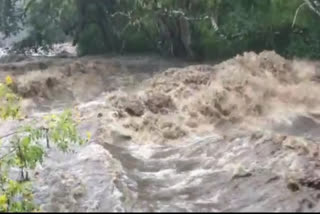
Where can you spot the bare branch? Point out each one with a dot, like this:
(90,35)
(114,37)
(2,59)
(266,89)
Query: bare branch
(9,153)
(10,134)
(297,11)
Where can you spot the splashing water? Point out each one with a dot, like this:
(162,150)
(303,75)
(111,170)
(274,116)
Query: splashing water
(237,136)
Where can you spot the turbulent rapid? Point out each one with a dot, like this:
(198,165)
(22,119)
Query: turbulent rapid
(241,135)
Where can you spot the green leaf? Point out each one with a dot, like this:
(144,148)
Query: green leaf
(26,142)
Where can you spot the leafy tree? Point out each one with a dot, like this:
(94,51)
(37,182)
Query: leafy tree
(183,28)
(10,17)
(26,150)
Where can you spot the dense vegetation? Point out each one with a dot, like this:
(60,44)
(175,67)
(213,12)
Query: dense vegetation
(183,28)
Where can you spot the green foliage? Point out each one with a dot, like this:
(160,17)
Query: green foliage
(47,21)
(10,191)
(183,28)
(9,102)
(27,149)
(89,45)
(62,130)
(10,16)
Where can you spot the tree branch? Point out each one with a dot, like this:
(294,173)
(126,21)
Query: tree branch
(312,5)
(9,153)
(10,134)
(296,14)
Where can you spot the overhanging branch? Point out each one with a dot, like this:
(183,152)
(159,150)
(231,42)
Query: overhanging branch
(296,14)
(312,5)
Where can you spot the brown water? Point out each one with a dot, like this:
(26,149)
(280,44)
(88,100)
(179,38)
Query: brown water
(238,136)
